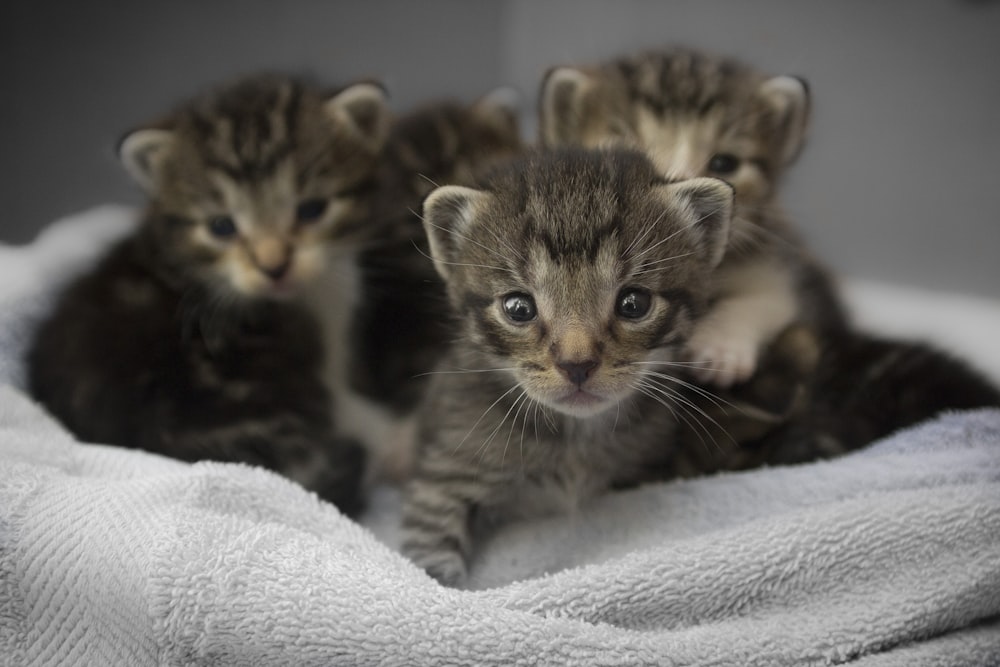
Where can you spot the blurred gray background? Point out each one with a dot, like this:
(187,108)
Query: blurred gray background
(900,180)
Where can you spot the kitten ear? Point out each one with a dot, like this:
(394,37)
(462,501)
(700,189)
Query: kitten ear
(448,213)
(788,99)
(363,109)
(500,108)
(710,212)
(566,92)
(143,153)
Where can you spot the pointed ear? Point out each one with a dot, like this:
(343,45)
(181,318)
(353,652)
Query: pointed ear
(143,153)
(565,97)
(448,214)
(500,108)
(788,99)
(709,204)
(363,110)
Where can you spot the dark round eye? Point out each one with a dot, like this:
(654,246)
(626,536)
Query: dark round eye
(633,303)
(310,210)
(519,307)
(222,226)
(723,163)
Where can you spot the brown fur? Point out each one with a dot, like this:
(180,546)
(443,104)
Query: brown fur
(185,340)
(523,416)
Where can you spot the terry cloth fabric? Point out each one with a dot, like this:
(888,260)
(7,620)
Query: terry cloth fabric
(886,557)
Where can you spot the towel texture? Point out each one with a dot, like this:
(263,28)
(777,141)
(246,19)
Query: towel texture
(887,557)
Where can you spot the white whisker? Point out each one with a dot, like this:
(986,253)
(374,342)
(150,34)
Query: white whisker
(485,412)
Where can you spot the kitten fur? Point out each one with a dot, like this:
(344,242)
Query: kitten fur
(399,326)
(700,115)
(186,340)
(577,278)
(817,399)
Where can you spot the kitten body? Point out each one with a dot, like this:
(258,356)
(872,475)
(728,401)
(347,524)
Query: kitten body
(188,339)
(397,322)
(817,399)
(576,277)
(698,115)
(822,387)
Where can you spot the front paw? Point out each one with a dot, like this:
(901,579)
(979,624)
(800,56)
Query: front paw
(722,358)
(445,565)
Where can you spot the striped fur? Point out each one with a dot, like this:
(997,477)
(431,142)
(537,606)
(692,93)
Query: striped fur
(400,326)
(185,340)
(815,399)
(701,115)
(775,308)
(534,415)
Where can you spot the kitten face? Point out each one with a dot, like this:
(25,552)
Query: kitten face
(694,115)
(575,269)
(249,184)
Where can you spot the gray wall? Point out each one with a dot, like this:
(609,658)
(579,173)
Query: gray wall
(77,75)
(899,182)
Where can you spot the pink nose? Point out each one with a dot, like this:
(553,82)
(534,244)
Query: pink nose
(577,372)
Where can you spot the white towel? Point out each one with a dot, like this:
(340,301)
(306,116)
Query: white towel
(887,557)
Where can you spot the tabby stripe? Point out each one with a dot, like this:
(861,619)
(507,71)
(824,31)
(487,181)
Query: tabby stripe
(494,336)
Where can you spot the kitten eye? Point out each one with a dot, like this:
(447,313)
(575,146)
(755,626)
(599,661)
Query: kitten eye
(633,303)
(222,226)
(723,163)
(519,307)
(310,210)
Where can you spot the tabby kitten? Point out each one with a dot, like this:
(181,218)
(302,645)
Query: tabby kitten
(773,305)
(398,330)
(577,277)
(698,115)
(187,339)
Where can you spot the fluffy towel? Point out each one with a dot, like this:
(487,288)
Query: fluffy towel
(889,556)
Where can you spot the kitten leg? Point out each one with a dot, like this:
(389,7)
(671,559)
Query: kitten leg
(726,342)
(437,514)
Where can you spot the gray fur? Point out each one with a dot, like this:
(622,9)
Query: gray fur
(693,112)
(506,430)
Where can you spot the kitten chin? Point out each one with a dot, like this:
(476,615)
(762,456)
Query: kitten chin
(188,339)
(575,276)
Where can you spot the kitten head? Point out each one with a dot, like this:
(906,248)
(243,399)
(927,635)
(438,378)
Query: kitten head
(249,183)
(449,143)
(694,114)
(579,271)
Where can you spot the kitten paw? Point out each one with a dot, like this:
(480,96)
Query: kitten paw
(448,567)
(722,359)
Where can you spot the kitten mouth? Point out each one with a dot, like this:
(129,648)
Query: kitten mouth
(581,398)
(281,289)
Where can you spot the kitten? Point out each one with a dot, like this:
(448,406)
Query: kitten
(774,306)
(698,115)
(576,277)
(187,339)
(398,325)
